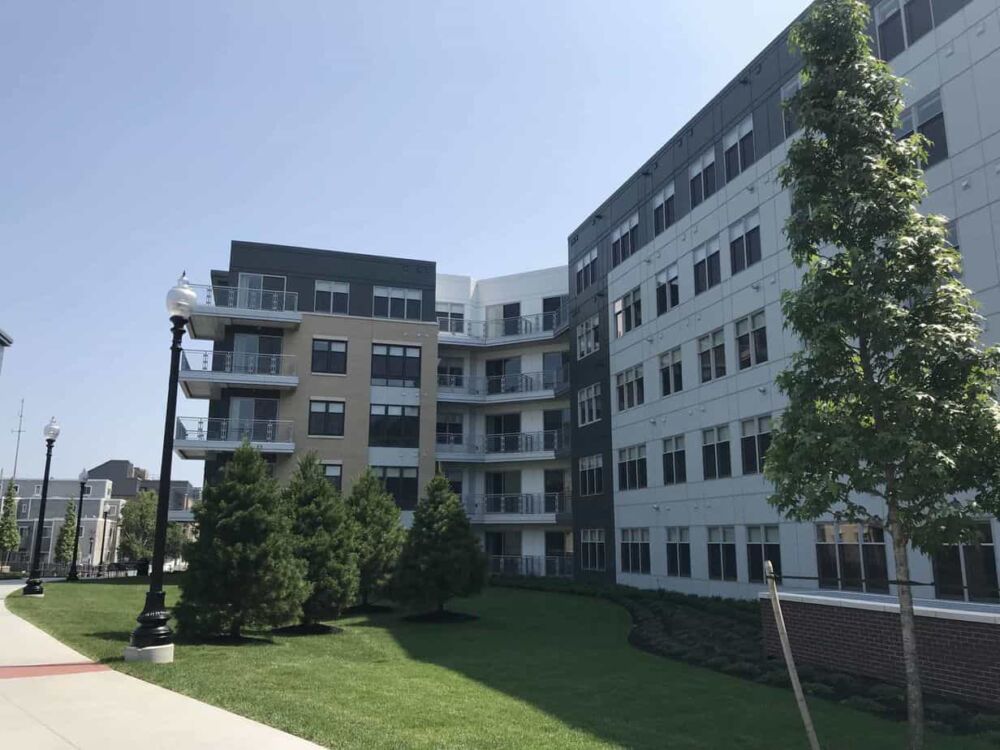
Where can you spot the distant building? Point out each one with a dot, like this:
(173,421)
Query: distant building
(5,341)
(129,480)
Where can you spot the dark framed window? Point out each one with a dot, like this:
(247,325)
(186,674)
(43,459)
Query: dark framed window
(664,214)
(707,266)
(588,404)
(968,571)
(632,467)
(588,339)
(591,475)
(721,553)
(900,23)
(396,365)
(851,556)
(394,426)
(635,551)
(586,270)
(629,388)
(751,340)
(329,356)
(331,297)
(625,240)
(668,291)
(398,303)
(671,375)
(702,178)
(628,312)
(674,461)
(889,29)
(927,118)
(334,474)
(401,483)
(449,429)
(678,552)
(451,317)
(712,356)
(744,244)
(754,442)
(715,456)
(738,148)
(763,543)
(592,549)
(326,418)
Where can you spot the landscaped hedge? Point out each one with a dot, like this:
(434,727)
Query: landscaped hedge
(725,635)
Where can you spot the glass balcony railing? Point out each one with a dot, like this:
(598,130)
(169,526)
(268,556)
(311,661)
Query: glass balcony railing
(209,430)
(522,326)
(542,442)
(559,566)
(236,363)
(239,298)
(497,385)
(526,504)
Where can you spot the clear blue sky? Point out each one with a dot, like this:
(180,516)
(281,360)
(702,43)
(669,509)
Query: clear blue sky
(138,139)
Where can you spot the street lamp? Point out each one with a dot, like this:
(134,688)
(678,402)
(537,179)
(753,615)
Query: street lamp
(73,575)
(34,584)
(153,640)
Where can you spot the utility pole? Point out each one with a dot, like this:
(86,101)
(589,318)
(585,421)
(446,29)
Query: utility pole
(17,445)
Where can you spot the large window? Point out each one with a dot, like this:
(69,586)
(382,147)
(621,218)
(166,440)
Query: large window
(591,475)
(588,404)
(788,92)
(401,483)
(968,571)
(663,209)
(671,377)
(334,474)
(331,297)
(592,551)
(678,552)
(449,428)
(586,270)
(326,418)
(738,148)
(751,340)
(715,456)
(628,312)
(754,442)
(396,365)
(762,544)
(712,356)
(674,460)
(588,338)
(329,357)
(668,290)
(744,243)
(899,23)
(707,266)
(451,372)
(451,317)
(394,302)
(629,388)
(702,177)
(632,467)
(625,240)
(394,426)
(721,553)
(851,556)
(927,118)
(635,550)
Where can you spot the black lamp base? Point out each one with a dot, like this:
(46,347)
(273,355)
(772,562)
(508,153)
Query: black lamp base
(33,588)
(153,629)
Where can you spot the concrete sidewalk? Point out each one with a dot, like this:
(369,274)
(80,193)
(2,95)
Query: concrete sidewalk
(53,698)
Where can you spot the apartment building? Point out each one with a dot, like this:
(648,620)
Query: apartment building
(677,334)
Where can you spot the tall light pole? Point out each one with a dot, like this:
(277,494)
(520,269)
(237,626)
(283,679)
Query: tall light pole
(34,585)
(104,539)
(153,640)
(73,575)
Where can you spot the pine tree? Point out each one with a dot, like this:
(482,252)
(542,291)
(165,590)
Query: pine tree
(66,538)
(326,538)
(380,534)
(242,570)
(441,558)
(10,539)
(892,417)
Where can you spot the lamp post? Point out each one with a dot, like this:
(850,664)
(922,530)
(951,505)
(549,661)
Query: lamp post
(104,539)
(34,584)
(73,575)
(153,640)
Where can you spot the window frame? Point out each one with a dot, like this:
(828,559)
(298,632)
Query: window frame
(589,404)
(590,470)
(339,477)
(625,240)
(635,551)
(632,472)
(668,289)
(674,460)
(707,258)
(736,143)
(338,416)
(755,439)
(671,372)
(329,354)
(768,549)
(630,387)
(664,209)
(406,379)
(588,337)
(393,293)
(678,547)
(716,454)
(745,245)
(750,334)
(393,426)
(593,550)
(586,270)
(725,547)
(701,170)
(861,534)
(333,291)
(627,312)
(712,351)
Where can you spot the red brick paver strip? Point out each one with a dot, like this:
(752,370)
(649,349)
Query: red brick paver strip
(48,670)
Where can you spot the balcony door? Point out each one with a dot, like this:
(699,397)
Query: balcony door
(555,366)
(505,319)
(258,291)
(550,309)
(503,492)
(503,375)
(256,354)
(252,418)
(555,488)
(504,551)
(503,433)
(554,423)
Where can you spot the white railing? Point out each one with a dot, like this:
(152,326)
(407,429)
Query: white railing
(492,385)
(560,566)
(545,441)
(239,363)
(222,430)
(531,503)
(239,298)
(522,325)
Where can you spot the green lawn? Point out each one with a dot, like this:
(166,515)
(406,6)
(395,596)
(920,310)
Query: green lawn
(537,670)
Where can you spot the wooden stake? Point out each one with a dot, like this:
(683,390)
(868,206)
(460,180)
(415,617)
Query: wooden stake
(786,649)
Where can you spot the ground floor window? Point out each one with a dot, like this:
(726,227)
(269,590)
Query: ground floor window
(401,483)
(334,475)
(678,551)
(592,550)
(635,550)
(851,556)
(968,571)
(762,544)
(721,553)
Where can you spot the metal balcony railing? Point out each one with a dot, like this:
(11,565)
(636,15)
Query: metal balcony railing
(522,325)
(240,298)
(559,566)
(221,430)
(531,503)
(544,441)
(524,382)
(237,363)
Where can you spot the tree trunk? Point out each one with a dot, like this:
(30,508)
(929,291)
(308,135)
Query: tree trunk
(914,691)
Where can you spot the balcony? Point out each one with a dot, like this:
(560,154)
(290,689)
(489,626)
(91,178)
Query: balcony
(522,329)
(220,306)
(545,507)
(512,446)
(200,437)
(525,386)
(204,374)
(557,566)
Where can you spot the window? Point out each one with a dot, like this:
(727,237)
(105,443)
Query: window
(715,458)
(899,23)
(401,483)
(449,429)
(87,490)
(331,297)
(751,340)
(678,551)
(744,243)
(394,426)
(762,545)
(451,317)
(927,118)
(707,266)
(851,556)
(671,379)
(334,475)
(702,175)
(754,442)
(591,475)
(668,291)
(326,418)
(329,357)
(592,553)
(628,312)
(625,240)
(586,270)
(38,490)
(396,365)
(588,339)
(588,404)
(663,209)
(712,356)
(738,148)
(721,553)
(635,550)
(451,372)
(632,467)
(674,461)
(401,304)
(968,571)
(788,92)
(629,387)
